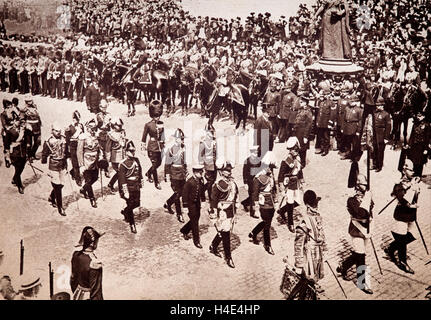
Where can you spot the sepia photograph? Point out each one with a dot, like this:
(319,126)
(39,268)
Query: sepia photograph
(215,150)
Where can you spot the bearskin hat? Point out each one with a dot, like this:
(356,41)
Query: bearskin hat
(156,108)
(31,53)
(78,56)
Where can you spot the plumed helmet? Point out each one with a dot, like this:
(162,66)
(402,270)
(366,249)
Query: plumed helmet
(55,127)
(156,108)
(88,236)
(408,164)
(179,134)
(28,98)
(292,142)
(6,103)
(210,128)
(116,121)
(225,166)
(130,146)
(311,199)
(76,115)
(91,124)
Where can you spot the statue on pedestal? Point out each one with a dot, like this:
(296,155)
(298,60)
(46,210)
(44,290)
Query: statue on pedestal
(335,30)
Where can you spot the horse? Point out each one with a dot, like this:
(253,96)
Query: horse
(257,90)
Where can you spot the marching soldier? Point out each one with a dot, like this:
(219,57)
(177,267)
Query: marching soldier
(405,216)
(7,119)
(55,149)
(291,177)
(360,229)
(130,181)
(224,195)
(382,130)
(208,156)
(302,128)
(176,173)
(193,194)
(19,141)
(88,156)
(309,246)
(251,168)
(104,126)
(154,129)
(72,134)
(86,276)
(264,197)
(34,125)
(115,148)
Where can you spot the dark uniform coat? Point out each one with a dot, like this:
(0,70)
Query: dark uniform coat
(86,275)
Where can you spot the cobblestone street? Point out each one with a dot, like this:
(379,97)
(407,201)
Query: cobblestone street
(157,263)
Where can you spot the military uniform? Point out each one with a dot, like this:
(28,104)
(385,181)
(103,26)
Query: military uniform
(86,276)
(419,145)
(130,181)
(224,196)
(249,170)
(68,85)
(7,117)
(88,156)
(323,122)
(208,156)
(155,131)
(34,125)
(382,131)
(287,102)
(264,193)
(290,176)
(55,149)
(350,128)
(19,142)
(263,135)
(72,134)
(93,98)
(273,100)
(405,216)
(193,195)
(114,151)
(302,130)
(360,230)
(293,113)
(176,168)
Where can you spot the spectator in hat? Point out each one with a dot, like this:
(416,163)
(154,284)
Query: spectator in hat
(29,287)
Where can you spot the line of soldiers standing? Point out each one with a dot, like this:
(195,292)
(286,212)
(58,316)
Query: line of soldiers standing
(46,72)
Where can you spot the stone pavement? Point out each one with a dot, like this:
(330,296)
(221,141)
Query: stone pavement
(157,263)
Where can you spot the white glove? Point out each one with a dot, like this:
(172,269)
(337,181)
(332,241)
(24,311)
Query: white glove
(126,195)
(386,141)
(81,170)
(305,140)
(246,187)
